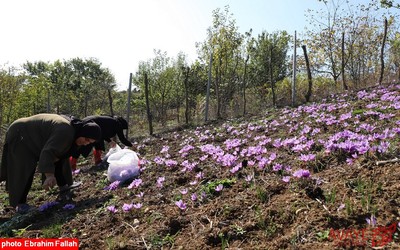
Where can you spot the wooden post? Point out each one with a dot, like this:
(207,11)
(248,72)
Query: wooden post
(294,72)
(208,87)
(146,93)
(128,106)
(382,52)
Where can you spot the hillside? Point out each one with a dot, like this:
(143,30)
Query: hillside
(292,178)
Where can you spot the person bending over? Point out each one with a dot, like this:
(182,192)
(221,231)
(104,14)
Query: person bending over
(44,141)
(111,128)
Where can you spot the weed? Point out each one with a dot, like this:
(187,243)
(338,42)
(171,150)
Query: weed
(154,216)
(324,235)
(331,197)
(209,188)
(169,239)
(111,243)
(349,207)
(238,230)
(157,240)
(102,183)
(53,231)
(262,195)
(358,112)
(20,232)
(224,241)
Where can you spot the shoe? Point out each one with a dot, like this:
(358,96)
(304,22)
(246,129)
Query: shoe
(75,184)
(65,196)
(23,208)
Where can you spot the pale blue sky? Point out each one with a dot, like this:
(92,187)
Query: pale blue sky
(121,33)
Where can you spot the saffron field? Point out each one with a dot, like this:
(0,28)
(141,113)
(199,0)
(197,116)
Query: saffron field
(314,176)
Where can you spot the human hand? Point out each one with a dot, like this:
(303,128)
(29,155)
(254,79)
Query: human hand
(50,181)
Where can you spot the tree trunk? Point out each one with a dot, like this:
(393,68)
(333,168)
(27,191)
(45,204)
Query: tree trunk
(217,89)
(343,63)
(382,51)
(48,100)
(244,85)
(146,92)
(111,101)
(187,97)
(128,105)
(271,79)
(208,88)
(309,91)
(86,104)
(398,69)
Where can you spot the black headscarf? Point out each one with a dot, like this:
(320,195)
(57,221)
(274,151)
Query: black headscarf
(122,122)
(89,130)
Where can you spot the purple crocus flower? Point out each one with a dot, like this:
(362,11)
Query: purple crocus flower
(219,188)
(164,149)
(308,157)
(341,207)
(193,197)
(127,207)
(249,177)
(286,179)
(69,206)
(137,205)
(181,204)
(112,209)
(171,163)
(135,183)
(301,173)
(47,205)
(371,221)
(75,172)
(277,167)
(184,191)
(114,185)
(199,175)
(160,181)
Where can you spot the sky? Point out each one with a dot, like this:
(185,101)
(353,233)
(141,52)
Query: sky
(121,33)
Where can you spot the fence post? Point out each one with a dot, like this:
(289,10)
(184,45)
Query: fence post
(294,72)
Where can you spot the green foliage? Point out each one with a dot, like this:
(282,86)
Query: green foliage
(324,235)
(19,232)
(262,194)
(53,231)
(209,188)
(331,196)
(224,240)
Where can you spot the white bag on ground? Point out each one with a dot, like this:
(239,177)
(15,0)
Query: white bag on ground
(112,151)
(123,165)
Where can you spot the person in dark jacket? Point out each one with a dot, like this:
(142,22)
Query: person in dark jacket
(111,127)
(46,141)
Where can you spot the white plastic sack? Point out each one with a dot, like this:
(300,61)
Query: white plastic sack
(113,150)
(123,165)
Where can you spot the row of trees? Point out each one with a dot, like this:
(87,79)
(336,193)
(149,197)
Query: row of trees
(344,44)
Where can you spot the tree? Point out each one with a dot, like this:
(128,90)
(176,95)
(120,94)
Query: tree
(224,43)
(345,40)
(10,90)
(395,53)
(382,52)
(268,61)
(390,4)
